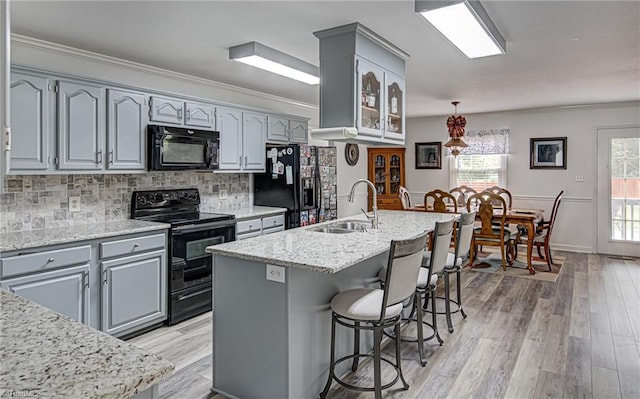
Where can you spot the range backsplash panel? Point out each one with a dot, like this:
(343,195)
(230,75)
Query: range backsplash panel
(37,202)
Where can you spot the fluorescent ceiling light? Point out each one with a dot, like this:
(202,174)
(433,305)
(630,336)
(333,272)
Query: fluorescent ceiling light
(466,24)
(272,60)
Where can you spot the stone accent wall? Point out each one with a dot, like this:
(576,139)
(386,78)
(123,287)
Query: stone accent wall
(37,202)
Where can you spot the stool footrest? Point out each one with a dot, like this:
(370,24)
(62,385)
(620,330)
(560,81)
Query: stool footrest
(456,310)
(361,388)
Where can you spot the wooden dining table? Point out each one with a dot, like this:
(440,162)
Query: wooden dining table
(520,216)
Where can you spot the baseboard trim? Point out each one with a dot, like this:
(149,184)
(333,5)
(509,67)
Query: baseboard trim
(572,248)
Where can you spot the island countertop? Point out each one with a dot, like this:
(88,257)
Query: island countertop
(330,253)
(44,354)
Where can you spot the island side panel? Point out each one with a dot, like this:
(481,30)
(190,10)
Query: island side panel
(249,330)
(309,300)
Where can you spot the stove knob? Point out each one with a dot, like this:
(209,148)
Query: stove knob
(185,194)
(142,200)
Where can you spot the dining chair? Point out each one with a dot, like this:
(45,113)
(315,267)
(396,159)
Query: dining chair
(487,233)
(405,198)
(503,192)
(462,193)
(440,201)
(542,238)
(376,309)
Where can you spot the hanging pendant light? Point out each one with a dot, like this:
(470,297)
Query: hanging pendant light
(455,125)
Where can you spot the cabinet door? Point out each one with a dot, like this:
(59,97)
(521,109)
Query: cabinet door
(254,141)
(229,124)
(277,129)
(65,291)
(81,126)
(199,115)
(134,291)
(395,106)
(166,110)
(298,131)
(30,122)
(125,130)
(370,95)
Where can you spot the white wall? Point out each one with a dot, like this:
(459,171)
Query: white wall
(575,229)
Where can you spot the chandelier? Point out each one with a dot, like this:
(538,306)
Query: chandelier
(455,125)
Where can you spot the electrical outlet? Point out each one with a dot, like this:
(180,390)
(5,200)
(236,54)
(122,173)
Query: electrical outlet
(275,273)
(74,204)
(580,179)
(222,194)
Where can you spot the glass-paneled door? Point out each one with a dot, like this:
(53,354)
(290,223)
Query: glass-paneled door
(619,191)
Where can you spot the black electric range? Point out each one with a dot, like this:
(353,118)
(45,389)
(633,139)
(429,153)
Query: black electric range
(190,266)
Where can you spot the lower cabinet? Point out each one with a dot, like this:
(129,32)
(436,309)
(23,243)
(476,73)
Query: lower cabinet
(134,291)
(65,291)
(117,285)
(247,228)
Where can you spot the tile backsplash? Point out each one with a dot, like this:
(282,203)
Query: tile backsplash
(37,202)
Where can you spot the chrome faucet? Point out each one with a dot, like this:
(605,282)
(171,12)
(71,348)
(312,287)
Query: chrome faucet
(373,218)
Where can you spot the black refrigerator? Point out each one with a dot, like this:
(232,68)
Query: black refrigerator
(301,178)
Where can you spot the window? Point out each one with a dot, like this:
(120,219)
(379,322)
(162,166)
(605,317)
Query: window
(484,162)
(625,189)
(479,171)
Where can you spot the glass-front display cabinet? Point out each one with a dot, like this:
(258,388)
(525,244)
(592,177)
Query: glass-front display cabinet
(386,171)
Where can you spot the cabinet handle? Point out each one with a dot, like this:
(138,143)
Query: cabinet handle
(99,156)
(51,260)
(104,277)
(111,157)
(188,115)
(85,279)
(136,245)
(179,114)
(240,161)
(245,161)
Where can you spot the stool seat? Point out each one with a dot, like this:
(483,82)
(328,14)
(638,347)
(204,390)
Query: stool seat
(363,304)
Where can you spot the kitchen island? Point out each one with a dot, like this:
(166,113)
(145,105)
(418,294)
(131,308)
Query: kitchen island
(44,354)
(271,339)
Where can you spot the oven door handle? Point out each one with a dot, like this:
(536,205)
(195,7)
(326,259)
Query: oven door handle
(200,227)
(183,297)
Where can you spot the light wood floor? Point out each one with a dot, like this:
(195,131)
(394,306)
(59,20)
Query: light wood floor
(576,338)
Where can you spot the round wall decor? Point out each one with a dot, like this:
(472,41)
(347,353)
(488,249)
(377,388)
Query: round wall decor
(351,153)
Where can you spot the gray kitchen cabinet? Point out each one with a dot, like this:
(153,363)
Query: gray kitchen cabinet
(199,115)
(254,133)
(229,124)
(180,112)
(65,291)
(134,291)
(125,130)
(81,126)
(253,227)
(166,110)
(242,140)
(284,130)
(30,122)
(363,83)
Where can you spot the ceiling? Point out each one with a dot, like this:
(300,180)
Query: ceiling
(559,53)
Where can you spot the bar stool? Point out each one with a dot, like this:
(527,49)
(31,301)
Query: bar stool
(426,286)
(464,236)
(375,309)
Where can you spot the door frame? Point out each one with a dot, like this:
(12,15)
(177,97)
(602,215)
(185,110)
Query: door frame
(597,202)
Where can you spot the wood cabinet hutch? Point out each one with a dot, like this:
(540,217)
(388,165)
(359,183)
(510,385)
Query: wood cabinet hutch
(386,171)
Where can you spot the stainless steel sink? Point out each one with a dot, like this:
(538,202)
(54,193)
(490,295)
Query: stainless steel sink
(344,227)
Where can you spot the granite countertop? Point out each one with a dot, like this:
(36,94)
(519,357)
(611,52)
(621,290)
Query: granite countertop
(43,237)
(47,355)
(330,253)
(255,212)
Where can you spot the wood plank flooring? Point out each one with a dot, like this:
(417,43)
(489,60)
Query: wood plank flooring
(576,338)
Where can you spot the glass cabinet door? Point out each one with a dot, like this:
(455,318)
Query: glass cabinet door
(370,97)
(381,174)
(395,102)
(394,175)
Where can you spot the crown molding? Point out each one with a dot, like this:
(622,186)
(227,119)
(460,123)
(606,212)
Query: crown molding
(38,44)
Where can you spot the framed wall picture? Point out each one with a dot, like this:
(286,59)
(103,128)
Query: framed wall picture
(429,155)
(548,153)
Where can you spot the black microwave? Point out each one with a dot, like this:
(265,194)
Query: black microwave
(175,148)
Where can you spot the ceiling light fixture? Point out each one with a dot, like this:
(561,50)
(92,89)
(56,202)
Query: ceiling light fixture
(455,125)
(466,24)
(272,60)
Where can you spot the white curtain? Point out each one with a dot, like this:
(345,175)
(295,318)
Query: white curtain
(485,142)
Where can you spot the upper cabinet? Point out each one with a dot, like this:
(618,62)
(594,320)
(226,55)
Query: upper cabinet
(363,84)
(284,130)
(242,140)
(183,113)
(125,130)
